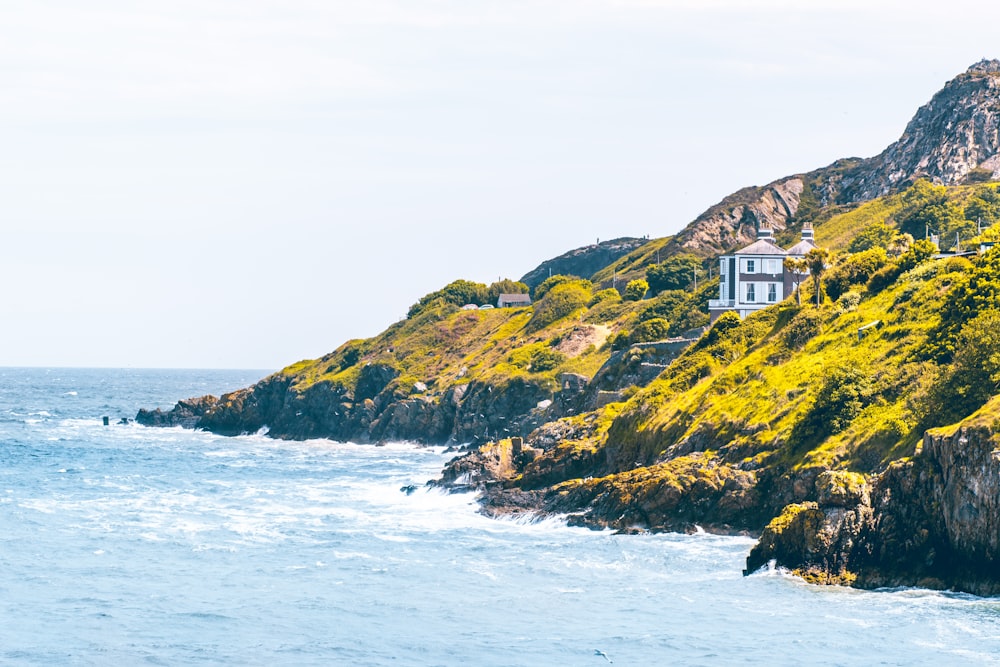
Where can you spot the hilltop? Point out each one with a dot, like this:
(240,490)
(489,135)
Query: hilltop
(621,407)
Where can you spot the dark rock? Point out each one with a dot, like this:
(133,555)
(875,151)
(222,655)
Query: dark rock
(933,520)
(185,413)
(583,262)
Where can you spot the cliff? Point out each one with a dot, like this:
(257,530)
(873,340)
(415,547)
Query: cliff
(841,433)
(932,520)
(953,139)
(954,136)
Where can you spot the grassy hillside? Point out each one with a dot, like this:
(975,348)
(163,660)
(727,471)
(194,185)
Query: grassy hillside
(725,432)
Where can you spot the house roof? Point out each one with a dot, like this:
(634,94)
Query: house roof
(802,247)
(761,247)
(515,298)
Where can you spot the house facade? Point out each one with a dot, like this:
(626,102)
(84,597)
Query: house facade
(513,301)
(755,276)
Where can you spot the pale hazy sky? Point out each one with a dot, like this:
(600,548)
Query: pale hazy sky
(245,184)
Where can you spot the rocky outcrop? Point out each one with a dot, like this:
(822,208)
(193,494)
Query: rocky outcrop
(374,412)
(952,138)
(583,262)
(185,413)
(932,521)
(734,221)
(955,133)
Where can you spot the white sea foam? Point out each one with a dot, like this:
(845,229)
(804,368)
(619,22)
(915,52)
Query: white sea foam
(179,540)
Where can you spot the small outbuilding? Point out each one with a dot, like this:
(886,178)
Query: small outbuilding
(513,301)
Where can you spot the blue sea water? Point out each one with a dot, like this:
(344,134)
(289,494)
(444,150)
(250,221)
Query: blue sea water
(124,545)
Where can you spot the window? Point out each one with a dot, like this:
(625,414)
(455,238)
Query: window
(772,292)
(722,266)
(771,266)
(750,292)
(751,266)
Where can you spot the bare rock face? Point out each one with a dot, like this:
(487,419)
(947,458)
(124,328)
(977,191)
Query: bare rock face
(952,138)
(734,221)
(185,413)
(955,133)
(933,521)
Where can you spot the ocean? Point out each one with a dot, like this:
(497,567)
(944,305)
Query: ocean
(125,545)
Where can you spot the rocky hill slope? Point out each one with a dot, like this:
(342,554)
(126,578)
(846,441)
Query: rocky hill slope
(583,262)
(808,423)
(953,139)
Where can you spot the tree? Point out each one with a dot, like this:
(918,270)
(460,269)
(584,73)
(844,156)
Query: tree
(974,375)
(505,286)
(899,245)
(456,293)
(635,290)
(550,282)
(855,269)
(983,207)
(816,261)
(927,208)
(650,330)
(875,235)
(798,269)
(675,272)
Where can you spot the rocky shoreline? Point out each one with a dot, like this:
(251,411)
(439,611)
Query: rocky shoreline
(812,427)
(931,521)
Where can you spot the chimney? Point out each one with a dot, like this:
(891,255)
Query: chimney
(764,232)
(807,232)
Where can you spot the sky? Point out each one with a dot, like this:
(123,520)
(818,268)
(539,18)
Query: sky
(214,184)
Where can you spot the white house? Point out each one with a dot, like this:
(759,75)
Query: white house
(513,301)
(755,277)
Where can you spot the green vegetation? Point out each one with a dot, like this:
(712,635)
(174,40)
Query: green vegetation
(905,342)
(559,301)
(674,273)
(636,290)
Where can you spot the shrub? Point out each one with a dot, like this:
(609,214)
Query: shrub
(975,373)
(845,392)
(856,269)
(674,273)
(926,207)
(635,290)
(848,301)
(619,341)
(664,305)
(918,253)
(882,278)
(552,281)
(604,295)
(457,293)
(558,302)
(802,328)
(984,206)
(650,330)
(876,235)
(971,294)
(957,265)
(536,357)
(728,321)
